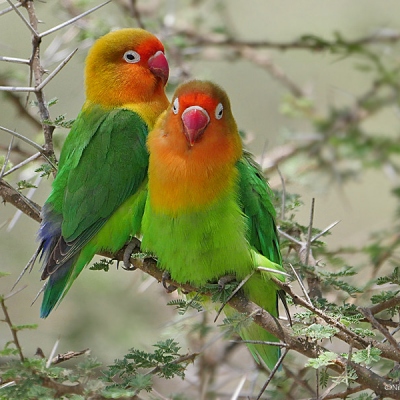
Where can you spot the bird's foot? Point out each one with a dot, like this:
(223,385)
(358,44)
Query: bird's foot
(133,245)
(166,276)
(225,280)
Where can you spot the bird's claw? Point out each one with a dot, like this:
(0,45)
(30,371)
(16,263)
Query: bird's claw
(224,280)
(166,276)
(129,250)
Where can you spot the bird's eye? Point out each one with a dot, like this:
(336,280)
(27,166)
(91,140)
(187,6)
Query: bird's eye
(219,111)
(131,57)
(175,106)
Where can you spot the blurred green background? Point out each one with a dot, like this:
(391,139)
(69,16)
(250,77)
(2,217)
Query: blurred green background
(111,312)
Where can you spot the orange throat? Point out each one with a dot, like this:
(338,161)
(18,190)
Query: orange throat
(187,179)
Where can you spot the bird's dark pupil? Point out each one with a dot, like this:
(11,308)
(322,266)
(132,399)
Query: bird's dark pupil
(130,57)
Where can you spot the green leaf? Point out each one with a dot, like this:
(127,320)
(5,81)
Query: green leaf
(140,382)
(330,279)
(26,326)
(393,278)
(323,378)
(384,296)
(102,265)
(52,101)
(60,122)
(25,185)
(349,377)
(220,294)
(9,351)
(394,374)
(130,370)
(45,169)
(303,316)
(367,356)
(364,396)
(183,305)
(363,332)
(316,331)
(323,360)
(236,322)
(88,364)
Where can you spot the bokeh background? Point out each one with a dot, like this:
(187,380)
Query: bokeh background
(111,312)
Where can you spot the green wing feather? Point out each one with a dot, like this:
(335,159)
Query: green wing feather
(106,166)
(103,163)
(110,169)
(255,196)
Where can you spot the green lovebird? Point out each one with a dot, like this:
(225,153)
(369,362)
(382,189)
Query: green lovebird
(98,195)
(209,212)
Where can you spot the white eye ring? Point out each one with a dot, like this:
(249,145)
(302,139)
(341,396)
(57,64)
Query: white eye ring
(219,111)
(131,57)
(175,106)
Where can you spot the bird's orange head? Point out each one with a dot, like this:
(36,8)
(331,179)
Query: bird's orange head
(127,66)
(194,147)
(199,120)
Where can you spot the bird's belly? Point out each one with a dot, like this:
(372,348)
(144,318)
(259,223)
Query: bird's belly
(199,247)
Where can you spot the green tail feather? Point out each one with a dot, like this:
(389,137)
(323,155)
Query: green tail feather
(249,330)
(267,353)
(261,290)
(56,287)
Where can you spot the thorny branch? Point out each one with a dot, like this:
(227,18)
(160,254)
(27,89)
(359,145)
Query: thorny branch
(18,200)
(306,42)
(20,106)
(393,302)
(299,344)
(344,333)
(37,73)
(375,323)
(59,358)
(345,394)
(14,331)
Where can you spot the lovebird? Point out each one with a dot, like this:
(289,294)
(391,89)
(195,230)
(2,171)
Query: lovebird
(208,213)
(97,198)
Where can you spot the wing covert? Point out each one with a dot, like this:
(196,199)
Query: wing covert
(255,196)
(111,168)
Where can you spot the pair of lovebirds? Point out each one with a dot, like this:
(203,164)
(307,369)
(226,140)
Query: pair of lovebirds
(175,173)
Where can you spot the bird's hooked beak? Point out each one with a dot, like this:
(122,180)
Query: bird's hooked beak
(195,120)
(158,65)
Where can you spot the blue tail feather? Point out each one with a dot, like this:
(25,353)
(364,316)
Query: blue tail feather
(49,231)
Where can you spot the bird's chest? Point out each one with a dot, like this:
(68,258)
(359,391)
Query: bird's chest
(201,246)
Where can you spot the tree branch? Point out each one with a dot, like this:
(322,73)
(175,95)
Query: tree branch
(18,200)
(393,302)
(37,71)
(21,109)
(345,334)
(14,331)
(306,42)
(301,345)
(273,325)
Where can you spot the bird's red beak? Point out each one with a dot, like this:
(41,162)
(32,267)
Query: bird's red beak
(195,120)
(158,65)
